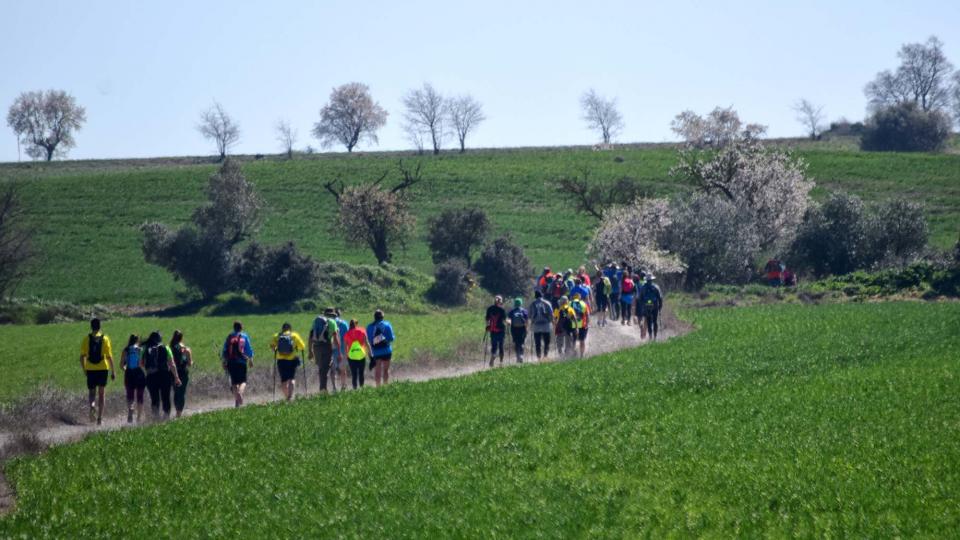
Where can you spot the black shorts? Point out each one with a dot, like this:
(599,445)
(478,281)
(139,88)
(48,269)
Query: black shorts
(602,302)
(582,334)
(238,372)
(96,378)
(287,369)
(388,357)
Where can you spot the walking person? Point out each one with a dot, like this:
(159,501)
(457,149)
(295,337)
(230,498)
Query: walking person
(495,318)
(182,361)
(581,323)
(339,364)
(564,317)
(287,347)
(161,374)
(134,379)
(541,315)
(652,300)
(601,295)
(324,338)
(519,321)
(380,336)
(358,351)
(627,287)
(96,360)
(237,357)
(615,276)
(583,290)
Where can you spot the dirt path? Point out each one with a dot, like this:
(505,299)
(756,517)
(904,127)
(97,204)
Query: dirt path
(612,337)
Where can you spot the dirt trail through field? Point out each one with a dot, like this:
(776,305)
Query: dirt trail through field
(609,338)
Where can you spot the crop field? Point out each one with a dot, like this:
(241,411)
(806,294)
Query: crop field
(837,420)
(86,214)
(35,354)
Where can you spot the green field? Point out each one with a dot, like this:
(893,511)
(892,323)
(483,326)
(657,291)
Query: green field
(838,421)
(86,214)
(35,354)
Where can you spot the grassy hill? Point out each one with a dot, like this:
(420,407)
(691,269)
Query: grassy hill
(86,214)
(836,421)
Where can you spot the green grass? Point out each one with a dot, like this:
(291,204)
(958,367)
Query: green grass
(836,421)
(86,214)
(50,353)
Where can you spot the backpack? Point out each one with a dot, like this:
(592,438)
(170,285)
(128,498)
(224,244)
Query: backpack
(648,293)
(557,289)
(517,320)
(156,359)
(378,337)
(628,286)
(285,344)
(178,358)
(542,312)
(95,349)
(356,351)
(577,311)
(605,285)
(321,330)
(236,344)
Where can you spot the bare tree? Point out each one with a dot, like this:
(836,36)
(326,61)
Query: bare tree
(350,117)
(811,116)
(718,129)
(216,125)
(45,122)
(956,97)
(593,198)
(15,248)
(601,115)
(375,215)
(286,136)
(425,112)
(465,114)
(921,78)
(415,136)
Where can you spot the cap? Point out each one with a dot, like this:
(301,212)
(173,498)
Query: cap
(651,277)
(518,302)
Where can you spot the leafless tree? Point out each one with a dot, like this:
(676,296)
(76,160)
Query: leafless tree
(350,117)
(465,114)
(601,115)
(415,136)
(425,112)
(811,116)
(15,247)
(377,216)
(286,136)
(45,122)
(593,198)
(718,129)
(216,125)
(956,97)
(921,78)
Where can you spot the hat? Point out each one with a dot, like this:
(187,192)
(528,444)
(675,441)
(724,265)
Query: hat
(518,302)
(563,299)
(546,268)
(651,277)
(330,312)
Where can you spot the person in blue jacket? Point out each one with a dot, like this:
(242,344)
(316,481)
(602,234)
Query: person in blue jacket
(380,336)
(237,357)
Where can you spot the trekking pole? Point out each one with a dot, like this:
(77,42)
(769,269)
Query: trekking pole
(303,366)
(483,348)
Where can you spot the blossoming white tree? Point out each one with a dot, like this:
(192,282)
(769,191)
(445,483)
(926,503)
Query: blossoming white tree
(631,234)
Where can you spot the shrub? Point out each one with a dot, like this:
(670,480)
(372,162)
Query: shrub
(906,128)
(202,261)
(504,268)
(454,233)
(715,239)
(833,237)
(277,275)
(451,283)
(897,232)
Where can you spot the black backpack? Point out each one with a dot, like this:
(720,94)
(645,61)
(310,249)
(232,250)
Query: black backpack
(156,359)
(178,358)
(95,349)
(285,344)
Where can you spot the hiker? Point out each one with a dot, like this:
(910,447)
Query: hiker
(639,278)
(773,272)
(564,317)
(627,287)
(558,288)
(182,361)
(652,300)
(287,346)
(161,373)
(339,363)
(519,320)
(613,274)
(541,315)
(583,276)
(581,288)
(601,295)
(545,278)
(237,357)
(96,360)
(324,338)
(495,318)
(581,323)
(380,336)
(355,341)
(134,379)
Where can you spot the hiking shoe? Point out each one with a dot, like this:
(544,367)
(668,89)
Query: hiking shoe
(99,420)
(129,417)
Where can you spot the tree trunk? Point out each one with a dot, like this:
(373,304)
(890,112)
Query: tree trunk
(380,250)
(50,150)
(463,146)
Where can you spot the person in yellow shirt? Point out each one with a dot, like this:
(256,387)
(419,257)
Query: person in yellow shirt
(96,360)
(566,328)
(581,322)
(287,346)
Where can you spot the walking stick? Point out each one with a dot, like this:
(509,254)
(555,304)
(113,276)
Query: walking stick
(483,347)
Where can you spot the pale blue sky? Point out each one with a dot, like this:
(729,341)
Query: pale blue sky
(145,70)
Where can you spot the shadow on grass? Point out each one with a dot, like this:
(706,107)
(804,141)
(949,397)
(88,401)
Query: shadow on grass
(232,306)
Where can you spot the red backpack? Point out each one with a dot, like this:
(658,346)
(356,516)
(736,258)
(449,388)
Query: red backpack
(235,347)
(627,286)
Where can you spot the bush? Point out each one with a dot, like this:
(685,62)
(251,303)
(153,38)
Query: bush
(906,128)
(897,232)
(454,233)
(451,283)
(202,261)
(715,239)
(504,268)
(277,275)
(832,238)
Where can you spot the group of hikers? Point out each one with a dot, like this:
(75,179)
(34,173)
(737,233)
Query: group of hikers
(563,305)
(159,368)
